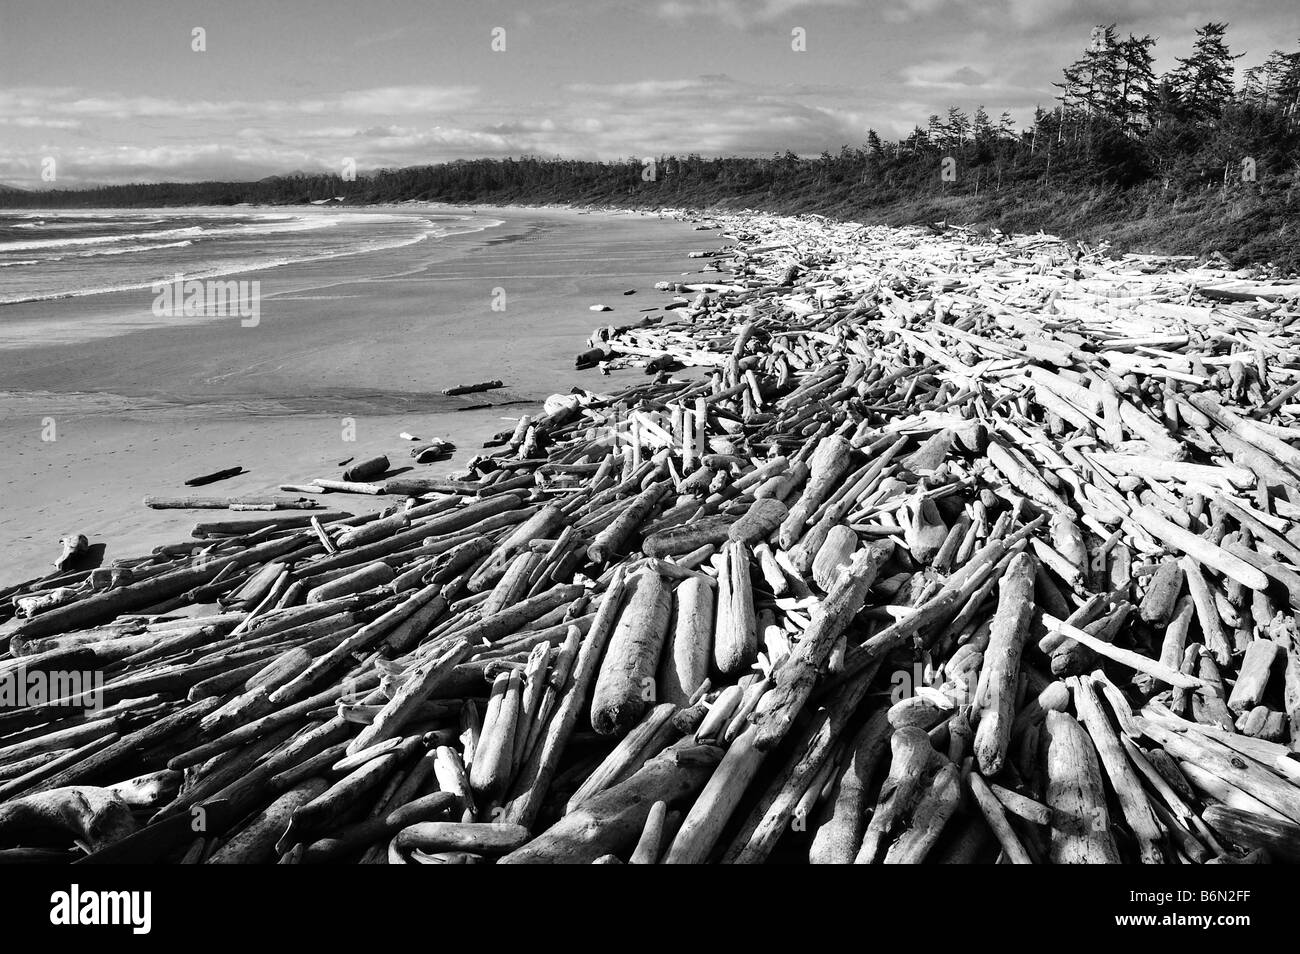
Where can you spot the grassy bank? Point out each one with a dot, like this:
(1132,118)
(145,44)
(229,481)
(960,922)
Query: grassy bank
(1186,211)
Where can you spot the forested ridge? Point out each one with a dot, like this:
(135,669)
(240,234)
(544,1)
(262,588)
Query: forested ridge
(1202,158)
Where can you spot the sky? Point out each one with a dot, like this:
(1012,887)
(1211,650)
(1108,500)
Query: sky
(119,92)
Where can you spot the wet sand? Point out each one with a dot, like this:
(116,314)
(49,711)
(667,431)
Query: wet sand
(346,355)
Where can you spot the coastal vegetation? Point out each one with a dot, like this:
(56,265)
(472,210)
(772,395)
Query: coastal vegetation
(1198,160)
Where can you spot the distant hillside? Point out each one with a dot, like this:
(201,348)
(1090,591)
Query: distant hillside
(1247,222)
(1188,162)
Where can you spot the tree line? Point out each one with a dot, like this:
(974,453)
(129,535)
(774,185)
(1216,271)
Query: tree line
(1112,124)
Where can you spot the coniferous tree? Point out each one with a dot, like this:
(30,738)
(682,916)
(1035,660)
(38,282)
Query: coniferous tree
(956,127)
(1275,82)
(934,132)
(1105,62)
(1203,81)
(1006,126)
(1092,82)
(874,148)
(1137,91)
(1256,84)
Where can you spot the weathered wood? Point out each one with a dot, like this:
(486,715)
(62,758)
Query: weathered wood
(838,838)
(625,687)
(913,768)
(847,479)
(611,822)
(255,843)
(1281,839)
(1123,777)
(1080,821)
(703,824)
(797,675)
(689,649)
(735,635)
(995,694)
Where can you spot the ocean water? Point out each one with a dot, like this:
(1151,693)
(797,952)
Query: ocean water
(72,253)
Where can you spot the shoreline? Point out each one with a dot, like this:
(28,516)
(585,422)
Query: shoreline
(438,232)
(373,338)
(924,465)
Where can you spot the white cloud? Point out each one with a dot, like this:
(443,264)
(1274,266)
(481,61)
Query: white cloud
(964,80)
(39,122)
(741,13)
(707,114)
(88,165)
(35,103)
(390,100)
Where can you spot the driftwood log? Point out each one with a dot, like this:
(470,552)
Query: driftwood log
(911,546)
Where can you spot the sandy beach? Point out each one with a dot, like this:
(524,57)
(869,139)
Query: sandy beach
(358,347)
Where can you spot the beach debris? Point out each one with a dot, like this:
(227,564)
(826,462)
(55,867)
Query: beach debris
(91,816)
(70,547)
(918,546)
(430,451)
(474,388)
(324,484)
(591,357)
(367,469)
(407,436)
(215,476)
(601,308)
(488,404)
(249,502)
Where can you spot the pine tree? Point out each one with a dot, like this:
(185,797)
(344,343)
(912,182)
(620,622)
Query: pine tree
(982,127)
(1092,82)
(1074,92)
(874,149)
(934,132)
(1288,88)
(1203,81)
(1105,61)
(1137,82)
(1005,126)
(955,128)
(1256,85)
(1276,81)
(1040,115)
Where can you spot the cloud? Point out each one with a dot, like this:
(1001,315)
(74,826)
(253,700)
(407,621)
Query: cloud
(391,100)
(897,63)
(1016,21)
(710,115)
(966,77)
(901,11)
(39,122)
(940,78)
(386,37)
(89,165)
(36,103)
(741,13)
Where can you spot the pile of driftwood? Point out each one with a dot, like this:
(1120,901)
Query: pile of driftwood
(914,547)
